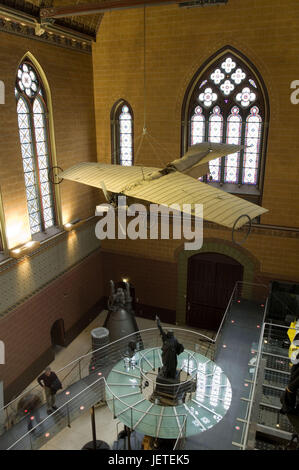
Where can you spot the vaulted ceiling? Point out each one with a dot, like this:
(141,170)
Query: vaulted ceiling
(84,16)
(88,24)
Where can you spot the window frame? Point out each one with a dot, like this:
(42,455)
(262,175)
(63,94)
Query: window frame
(115,130)
(250,191)
(43,99)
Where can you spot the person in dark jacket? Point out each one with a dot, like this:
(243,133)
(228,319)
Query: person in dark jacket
(50,382)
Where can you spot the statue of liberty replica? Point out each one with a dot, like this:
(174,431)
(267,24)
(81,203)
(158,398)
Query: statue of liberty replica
(168,379)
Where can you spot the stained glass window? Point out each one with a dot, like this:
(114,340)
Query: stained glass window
(197,126)
(215,135)
(233,136)
(227,104)
(122,134)
(33,133)
(252,146)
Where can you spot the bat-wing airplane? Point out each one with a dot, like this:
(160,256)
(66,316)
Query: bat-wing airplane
(177,183)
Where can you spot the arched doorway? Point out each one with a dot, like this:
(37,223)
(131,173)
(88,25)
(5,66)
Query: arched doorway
(211,279)
(58,333)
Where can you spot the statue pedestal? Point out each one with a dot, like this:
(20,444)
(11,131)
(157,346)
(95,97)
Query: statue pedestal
(169,391)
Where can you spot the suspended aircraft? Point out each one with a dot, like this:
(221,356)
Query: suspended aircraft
(177,183)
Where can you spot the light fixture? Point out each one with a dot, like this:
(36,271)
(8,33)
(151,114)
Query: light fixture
(25,249)
(73,224)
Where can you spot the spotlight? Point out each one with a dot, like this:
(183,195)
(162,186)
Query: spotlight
(73,224)
(25,249)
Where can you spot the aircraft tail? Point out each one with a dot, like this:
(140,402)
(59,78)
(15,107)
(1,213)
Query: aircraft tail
(195,162)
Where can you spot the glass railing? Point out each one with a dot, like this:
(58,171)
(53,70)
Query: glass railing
(255,295)
(87,369)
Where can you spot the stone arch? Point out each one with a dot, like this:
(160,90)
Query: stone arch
(213,245)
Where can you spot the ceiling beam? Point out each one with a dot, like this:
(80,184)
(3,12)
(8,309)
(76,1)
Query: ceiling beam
(100,7)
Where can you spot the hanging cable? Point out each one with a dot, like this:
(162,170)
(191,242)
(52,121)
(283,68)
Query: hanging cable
(144,69)
(145,131)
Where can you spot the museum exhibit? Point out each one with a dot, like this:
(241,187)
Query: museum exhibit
(149,226)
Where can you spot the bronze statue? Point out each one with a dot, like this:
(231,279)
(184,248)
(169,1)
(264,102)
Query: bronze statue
(170,350)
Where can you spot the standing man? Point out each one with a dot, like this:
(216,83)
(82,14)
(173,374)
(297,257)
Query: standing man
(50,382)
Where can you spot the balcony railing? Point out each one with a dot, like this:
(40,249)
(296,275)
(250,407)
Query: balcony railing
(93,367)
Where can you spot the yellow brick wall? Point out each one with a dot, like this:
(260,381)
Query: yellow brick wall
(178,41)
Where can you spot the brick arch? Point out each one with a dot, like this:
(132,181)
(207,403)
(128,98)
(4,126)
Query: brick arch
(250,264)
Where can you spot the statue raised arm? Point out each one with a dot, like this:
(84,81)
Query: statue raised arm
(162,332)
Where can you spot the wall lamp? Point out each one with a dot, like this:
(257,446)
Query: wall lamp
(25,249)
(73,224)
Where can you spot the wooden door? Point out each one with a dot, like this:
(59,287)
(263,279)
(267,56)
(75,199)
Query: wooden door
(58,333)
(211,280)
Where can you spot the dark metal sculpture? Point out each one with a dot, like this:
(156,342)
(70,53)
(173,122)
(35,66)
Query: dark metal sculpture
(170,350)
(120,298)
(120,320)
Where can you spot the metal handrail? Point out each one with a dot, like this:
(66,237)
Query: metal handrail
(131,407)
(113,345)
(144,373)
(230,301)
(181,432)
(110,345)
(79,394)
(201,337)
(259,355)
(54,412)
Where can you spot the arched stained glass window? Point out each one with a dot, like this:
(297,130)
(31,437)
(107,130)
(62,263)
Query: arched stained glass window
(122,134)
(252,146)
(197,126)
(233,133)
(33,131)
(215,135)
(226,101)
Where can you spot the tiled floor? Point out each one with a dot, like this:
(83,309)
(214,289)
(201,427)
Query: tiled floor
(80,433)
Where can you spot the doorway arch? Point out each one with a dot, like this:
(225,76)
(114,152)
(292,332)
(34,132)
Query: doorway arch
(210,282)
(58,333)
(251,267)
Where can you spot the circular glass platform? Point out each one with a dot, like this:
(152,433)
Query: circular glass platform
(128,395)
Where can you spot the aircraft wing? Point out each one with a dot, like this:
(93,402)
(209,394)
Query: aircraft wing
(218,206)
(115,177)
